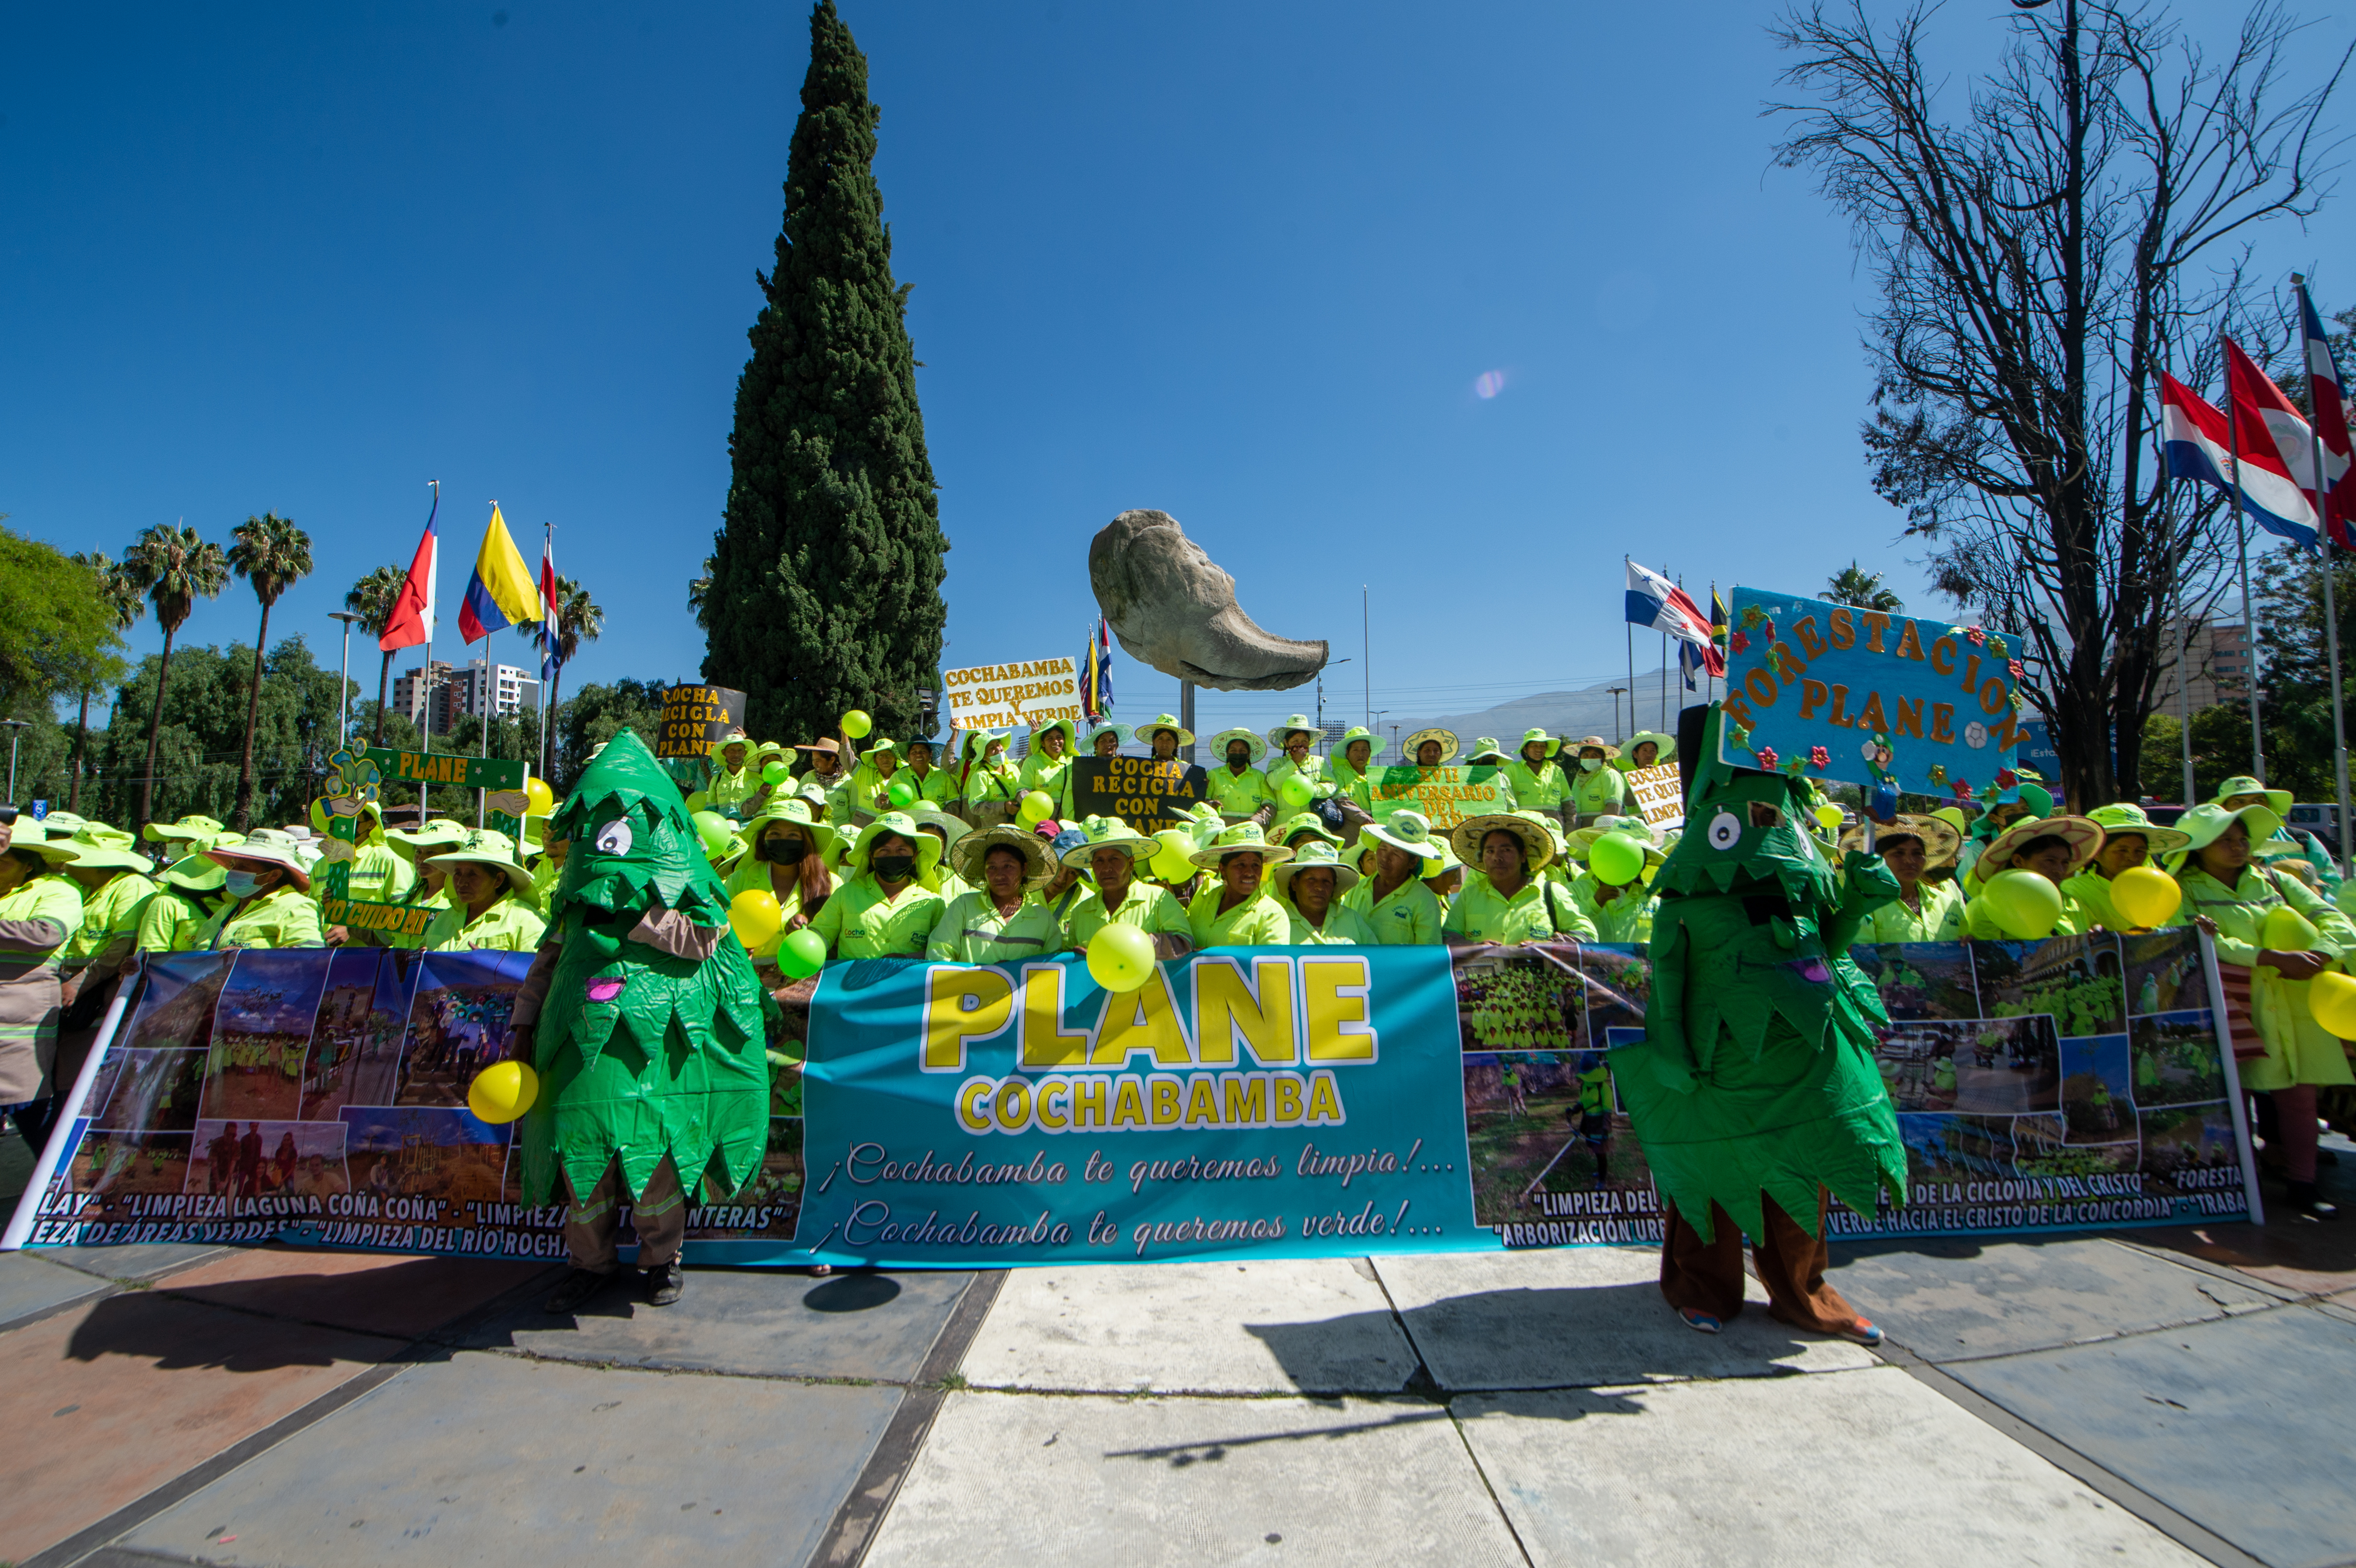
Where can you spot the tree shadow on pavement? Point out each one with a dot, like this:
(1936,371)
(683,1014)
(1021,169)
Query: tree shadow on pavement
(178,1335)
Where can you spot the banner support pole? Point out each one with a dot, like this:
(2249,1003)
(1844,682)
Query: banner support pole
(53,1149)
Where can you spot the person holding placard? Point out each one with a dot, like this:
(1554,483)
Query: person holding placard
(1239,789)
(1925,911)
(1646,749)
(1164,736)
(1396,906)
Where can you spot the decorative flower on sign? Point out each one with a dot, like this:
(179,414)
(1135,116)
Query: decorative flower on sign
(1938,772)
(2018,673)
(1976,637)
(1820,758)
(1737,643)
(1766,631)
(2006,778)
(1741,737)
(1997,645)
(1962,789)
(1751,615)
(1766,755)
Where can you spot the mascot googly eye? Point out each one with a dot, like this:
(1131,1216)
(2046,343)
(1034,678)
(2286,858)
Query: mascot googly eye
(613,838)
(1724,832)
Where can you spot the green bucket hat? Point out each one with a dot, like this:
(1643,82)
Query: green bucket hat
(1552,744)
(1283,732)
(1407,830)
(2204,823)
(1486,749)
(1253,744)
(58,849)
(193,830)
(1108,833)
(2125,819)
(734,738)
(198,872)
(97,847)
(415,844)
(486,848)
(1317,856)
(1353,734)
(1071,734)
(1243,837)
(1121,737)
(797,811)
(1165,721)
(2278,800)
(1666,744)
(928,849)
(1307,822)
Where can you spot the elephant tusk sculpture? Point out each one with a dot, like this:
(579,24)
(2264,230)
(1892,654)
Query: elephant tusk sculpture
(1173,608)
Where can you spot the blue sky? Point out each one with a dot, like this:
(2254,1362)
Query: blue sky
(1245,264)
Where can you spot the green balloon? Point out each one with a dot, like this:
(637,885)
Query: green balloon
(900,792)
(775,773)
(1616,858)
(2025,905)
(1295,791)
(802,955)
(714,830)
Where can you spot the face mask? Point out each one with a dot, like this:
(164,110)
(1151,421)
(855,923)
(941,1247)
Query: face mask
(241,884)
(782,849)
(893,868)
(1589,764)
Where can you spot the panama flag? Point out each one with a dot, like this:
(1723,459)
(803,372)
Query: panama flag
(412,621)
(1656,603)
(502,592)
(2331,421)
(2276,465)
(549,661)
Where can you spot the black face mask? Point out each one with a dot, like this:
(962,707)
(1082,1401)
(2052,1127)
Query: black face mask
(786,851)
(893,868)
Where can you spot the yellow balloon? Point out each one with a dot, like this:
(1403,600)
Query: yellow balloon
(2331,998)
(1120,957)
(542,799)
(2288,931)
(2026,905)
(2146,896)
(1173,861)
(855,724)
(1830,815)
(755,916)
(1037,806)
(502,1092)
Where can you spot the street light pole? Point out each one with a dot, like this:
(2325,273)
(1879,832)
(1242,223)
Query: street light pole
(344,681)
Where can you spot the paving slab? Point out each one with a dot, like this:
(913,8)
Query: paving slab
(29,1286)
(756,1322)
(2238,1424)
(1322,1325)
(488,1458)
(1948,1297)
(1582,1317)
(1142,1482)
(1867,1467)
(138,1260)
(376,1292)
(101,1403)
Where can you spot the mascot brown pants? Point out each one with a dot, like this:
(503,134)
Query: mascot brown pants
(660,1216)
(1707,1276)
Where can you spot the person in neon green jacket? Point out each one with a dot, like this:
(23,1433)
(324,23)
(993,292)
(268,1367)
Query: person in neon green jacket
(2055,848)
(734,778)
(1311,886)
(491,902)
(828,776)
(380,874)
(1538,780)
(188,895)
(1233,909)
(869,793)
(39,910)
(2129,839)
(1926,910)
(1002,921)
(1111,855)
(1646,749)
(426,889)
(1397,908)
(790,860)
(1049,767)
(270,903)
(116,884)
(1238,788)
(890,899)
(1510,903)
(1619,912)
(2228,890)
(1290,742)
(932,784)
(992,787)
(1596,789)
(1348,767)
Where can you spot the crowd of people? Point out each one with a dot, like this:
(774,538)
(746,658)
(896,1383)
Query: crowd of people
(883,850)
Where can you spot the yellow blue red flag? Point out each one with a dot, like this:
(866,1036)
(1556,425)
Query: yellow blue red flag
(501,591)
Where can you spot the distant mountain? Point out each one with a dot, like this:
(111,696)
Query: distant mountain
(1573,713)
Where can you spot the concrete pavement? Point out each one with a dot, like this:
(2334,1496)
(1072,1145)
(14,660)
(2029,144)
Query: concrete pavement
(2161,1397)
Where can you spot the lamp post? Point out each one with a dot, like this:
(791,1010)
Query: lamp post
(344,680)
(15,733)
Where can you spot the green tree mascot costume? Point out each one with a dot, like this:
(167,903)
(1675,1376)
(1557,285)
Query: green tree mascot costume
(1755,1089)
(644,1019)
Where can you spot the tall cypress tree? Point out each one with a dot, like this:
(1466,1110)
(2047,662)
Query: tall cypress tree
(825,590)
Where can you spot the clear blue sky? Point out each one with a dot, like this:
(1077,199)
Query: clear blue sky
(1245,264)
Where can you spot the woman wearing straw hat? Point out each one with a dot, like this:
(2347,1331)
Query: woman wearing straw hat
(1164,736)
(1392,899)
(490,899)
(1002,921)
(1913,847)
(270,903)
(992,784)
(1311,886)
(2129,839)
(2055,848)
(1111,855)
(888,905)
(1238,788)
(2231,896)
(1535,777)
(1510,903)
(1432,748)
(39,909)
(1646,749)
(1049,767)
(827,776)
(1621,912)
(188,895)
(1595,790)
(1353,760)
(789,862)
(1233,909)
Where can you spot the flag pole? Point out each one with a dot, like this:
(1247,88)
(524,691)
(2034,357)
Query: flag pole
(1630,626)
(432,609)
(2330,609)
(2242,546)
(491,690)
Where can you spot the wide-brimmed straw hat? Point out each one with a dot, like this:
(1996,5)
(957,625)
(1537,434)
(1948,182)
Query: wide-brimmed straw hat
(1281,733)
(2206,822)
(486,848)
(1449,746)
(2278,800)
(266,847)
(2084,836)
(1553,743)
(2124,819)
(1243,839)
(1252,743)
(975,847)
(1667,744)
(823,743)
(1316,858)
(1108,833)
(1941,842)
(1572,748)
(1407,830)
(1165,721)
(928,849)
(1467,838)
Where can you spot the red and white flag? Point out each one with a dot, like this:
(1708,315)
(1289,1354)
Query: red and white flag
(412,612)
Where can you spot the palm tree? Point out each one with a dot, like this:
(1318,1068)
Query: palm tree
(1854,586)
(120,596)
(273,555)
(372,599)
(572,619)
(174,568)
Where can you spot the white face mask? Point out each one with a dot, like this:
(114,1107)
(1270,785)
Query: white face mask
(241,884)
(1589,764)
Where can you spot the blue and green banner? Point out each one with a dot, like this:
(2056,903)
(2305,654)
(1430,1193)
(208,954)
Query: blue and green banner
(1261,1102)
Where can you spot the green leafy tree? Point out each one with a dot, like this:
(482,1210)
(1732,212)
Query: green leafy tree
(372,599)
(825,581)
(201,737)
(272,554)
(1852,584)
(123,603)
(174,567)
(573,619)
(595,714)
(2295,702)
(56,629)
